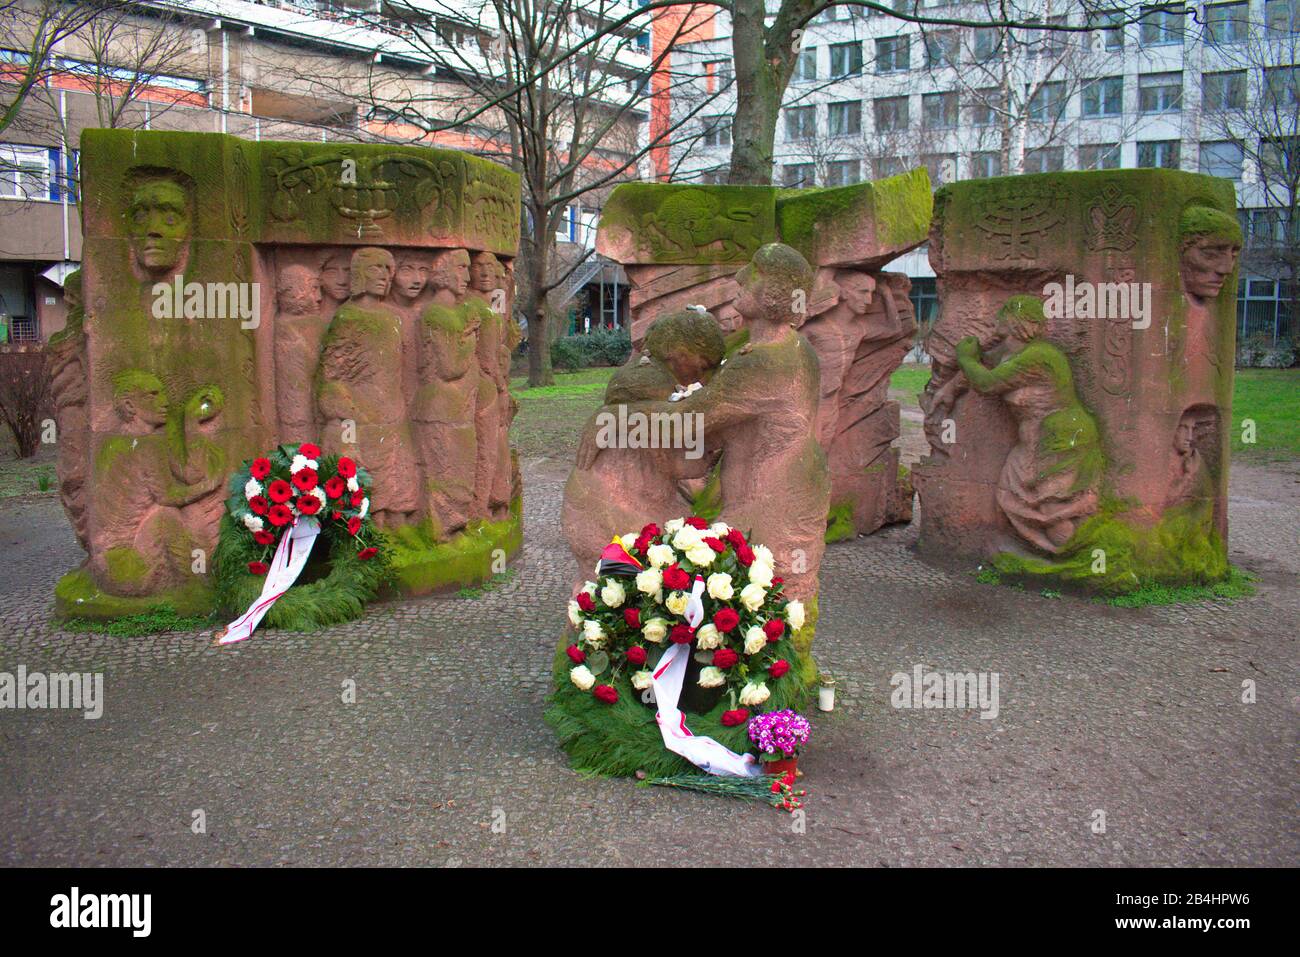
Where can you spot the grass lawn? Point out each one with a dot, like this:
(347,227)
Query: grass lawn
(1271,399)
(551,417)
(910,379)
(34,476)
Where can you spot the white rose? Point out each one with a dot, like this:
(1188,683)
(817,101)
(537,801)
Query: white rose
(711,677)
(719,529)
(661,555)
(641,680)
(365,507)
(650,581)
(719,585)
(707,638)
(628,540)
(674,526)
(763,556)
(754,694)
(575,614)
(755,640)
(687,537)
(655,630)
(794,614)
(582,677)
(252,487)
(752,595)
(353,484)
(701,554)
(761,575)
(589,588)
(676,603)
(253,523)
(592,633)
(612,594)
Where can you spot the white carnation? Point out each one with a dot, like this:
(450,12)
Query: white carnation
(650,581)
(575,614)
(719,585)
(755,640)
(582,677)
(752,595)
(353,484)
(253,523)
(592,633)
(761,575)
(365,507)
(794,614)
(252,487)
(661,555)
(320,494)
(641,680)
(701,554)
(711,677)
(301,462)
(707,638)
(676,603)
(754,693)
(655,630)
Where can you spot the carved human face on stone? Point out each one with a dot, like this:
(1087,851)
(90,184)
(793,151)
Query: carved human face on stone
(411,278)
(158,222)
(1207,262)
(372,272)
(336,277)
(1185,435)
(486,273)
(140,399)
(856,291)
(297,291)
(451,272)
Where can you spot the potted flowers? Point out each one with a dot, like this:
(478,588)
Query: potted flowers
(778,735)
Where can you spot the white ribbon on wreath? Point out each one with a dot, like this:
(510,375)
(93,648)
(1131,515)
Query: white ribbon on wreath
(286,565)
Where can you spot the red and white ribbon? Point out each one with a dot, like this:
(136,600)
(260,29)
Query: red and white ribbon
(703,752)
(287,564)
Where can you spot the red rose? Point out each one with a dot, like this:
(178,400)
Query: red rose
(335,486)
(675,578)
(774,629)
(641,544)
(745,555)
(279,515)
(606,693)
(585,602)
(681,635)
(258,568)
(358,497)
(726,619)
(260,468)
(636,655)
(305,479)
(696,522)
(633,617)
(347,468)
(576,654)
(724,658)
(778,581)
(736,539)
(264,538)
(308,504)
(259,505)
(778,668)
(732,718)
(716,544)
(650,531)
(307,450)
(279,491)
(336,515)
(354,525)
(367,553)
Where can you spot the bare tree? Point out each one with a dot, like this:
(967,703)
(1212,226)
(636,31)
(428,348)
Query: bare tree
(25,397)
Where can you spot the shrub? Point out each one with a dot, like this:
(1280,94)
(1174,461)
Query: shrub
(1260,351)
(603,347)
(25,397)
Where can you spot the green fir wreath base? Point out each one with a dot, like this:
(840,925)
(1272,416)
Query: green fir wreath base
(339,596)
(622,738)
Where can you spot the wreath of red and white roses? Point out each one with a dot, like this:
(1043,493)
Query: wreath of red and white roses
(273,491)
(623,621)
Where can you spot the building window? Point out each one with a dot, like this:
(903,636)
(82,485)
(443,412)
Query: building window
(893,54)
(984,109)
(795,175)
(891,114)
(1161,27)
(1280,86)
(846,118)
(889,166)
(942,168)
(800,122)
(987,43)
(1282,16)
(939,111)
(1224,91)
(1158,154)
(1109,38)
(1278,156)
(846,59)
(843,172)
(1103,96)
(941,48)
(1222,158)
(717,75)
(985,164)
(25,172)
(1160,92)
(1099,156)
(1225,23)
(717,130)
(925,302)
(1045,159)
(1047,105)
(805,67)
(1047,43)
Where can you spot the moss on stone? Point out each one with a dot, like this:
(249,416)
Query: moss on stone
(419,563)
(839,522)
(827,225)
(77,596)
(125,565)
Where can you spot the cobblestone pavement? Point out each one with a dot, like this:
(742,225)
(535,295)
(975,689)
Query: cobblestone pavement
(1133,713)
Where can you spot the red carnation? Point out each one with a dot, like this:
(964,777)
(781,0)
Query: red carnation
(264,538)
(260,468)
(716,544)
(258,568)
(650,531)
(681,635)
(606,693)
(307,450)
(357,498)
(726,619)
(585,601)
(279,491)
(724,658)
(367,553)
(279,515)
(636,655)
(734,536)
(259,505)
(732,718)
(354,525)
(308,504)
(696,522)
(633,617)
(774,629)
(745,555)
(778,668)
(675,578)
(305,479)
(347,468)
(576,654)
(335,486)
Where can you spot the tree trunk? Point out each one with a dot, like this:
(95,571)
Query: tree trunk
(758,99)
(539,340)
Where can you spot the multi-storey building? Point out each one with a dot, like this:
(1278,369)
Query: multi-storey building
(873,95)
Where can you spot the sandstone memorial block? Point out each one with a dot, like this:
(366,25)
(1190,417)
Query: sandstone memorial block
(237,295)
(1080,401)
(682,245)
